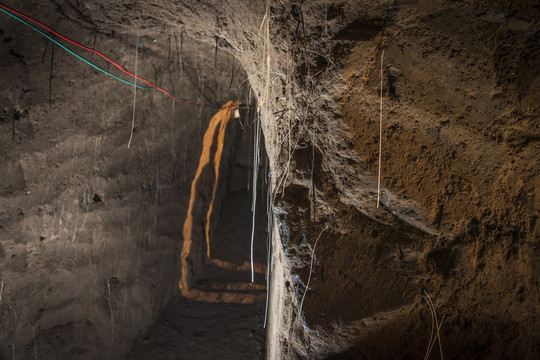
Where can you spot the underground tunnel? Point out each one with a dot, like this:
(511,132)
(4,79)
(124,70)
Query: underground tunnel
(269,179)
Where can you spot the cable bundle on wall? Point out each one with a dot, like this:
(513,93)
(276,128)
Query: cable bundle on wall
(22,18)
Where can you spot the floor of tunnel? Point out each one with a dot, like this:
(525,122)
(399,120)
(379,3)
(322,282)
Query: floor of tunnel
(190,329)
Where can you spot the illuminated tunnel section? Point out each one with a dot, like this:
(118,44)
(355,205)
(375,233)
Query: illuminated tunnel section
(220,171)
(220,311)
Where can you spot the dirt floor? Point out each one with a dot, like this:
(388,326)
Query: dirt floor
(190,329)
(91,231)
(199,329)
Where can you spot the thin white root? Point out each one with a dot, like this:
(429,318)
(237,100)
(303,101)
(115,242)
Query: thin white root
(432,330)
(311,267)
(35,345)
(434,325)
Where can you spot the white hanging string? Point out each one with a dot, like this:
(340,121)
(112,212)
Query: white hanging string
(257,129)
(380,136)
(135,90)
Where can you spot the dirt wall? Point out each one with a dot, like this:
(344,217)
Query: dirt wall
(90,235)
(457,221)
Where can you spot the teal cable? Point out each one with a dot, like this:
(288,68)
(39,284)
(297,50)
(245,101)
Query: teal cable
(75,54)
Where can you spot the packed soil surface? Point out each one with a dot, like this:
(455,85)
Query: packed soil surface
(190,329)
(199,329)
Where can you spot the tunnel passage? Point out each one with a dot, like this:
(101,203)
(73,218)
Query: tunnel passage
(91,231)
(211,189)
(219,311)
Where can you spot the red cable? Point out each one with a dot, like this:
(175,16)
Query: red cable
(100,54)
